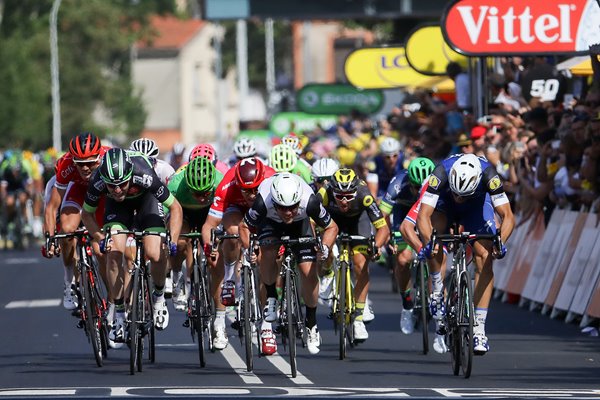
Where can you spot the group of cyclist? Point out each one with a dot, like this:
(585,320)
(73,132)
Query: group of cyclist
(122,189)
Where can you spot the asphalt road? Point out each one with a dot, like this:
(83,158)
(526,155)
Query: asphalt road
(43,354)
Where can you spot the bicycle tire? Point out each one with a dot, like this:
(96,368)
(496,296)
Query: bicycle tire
(134,315)
(91,315)
(102,306)
(291,325)
(149,329)
(343,319)
(421,273)
(197,322)
(207,308)
(247,315)
(465,322)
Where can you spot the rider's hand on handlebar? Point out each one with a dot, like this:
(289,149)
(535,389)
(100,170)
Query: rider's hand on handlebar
(172,249)
(324,253)
(250,256)
(499,251)
(426,251)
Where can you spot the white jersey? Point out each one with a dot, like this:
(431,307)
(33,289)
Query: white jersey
(48,190)
(163,169)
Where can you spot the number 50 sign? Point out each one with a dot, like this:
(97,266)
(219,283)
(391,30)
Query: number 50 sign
(545,89)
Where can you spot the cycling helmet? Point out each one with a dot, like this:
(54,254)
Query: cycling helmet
(178,149)
(344,180)
(204,150)
(286,189)
(244,148)
(249,173)
(145,146)
(85,145)
(324,168)
(389,145)
(465,175)
(294,142)
(419,169)
(282,158)
(200,174)
(116,167)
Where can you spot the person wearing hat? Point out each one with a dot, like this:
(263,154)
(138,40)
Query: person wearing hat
(478,139)
(464,144)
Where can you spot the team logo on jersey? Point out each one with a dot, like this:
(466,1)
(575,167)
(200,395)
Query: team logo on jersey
(99,185)
(368,200)
(160,191)
(495,183)
(434,182)
(144,180)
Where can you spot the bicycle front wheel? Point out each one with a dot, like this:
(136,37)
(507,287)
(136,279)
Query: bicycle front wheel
(135,314)
(247,315)
(465,317)
(197,311)
(148,326)
(92,316)
(291,324)
(342,310)
(423,295)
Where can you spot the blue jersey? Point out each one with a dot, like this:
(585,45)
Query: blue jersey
(399,198)
(384,176)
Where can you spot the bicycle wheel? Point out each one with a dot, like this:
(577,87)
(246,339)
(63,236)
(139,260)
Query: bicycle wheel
(452,328)
(207,308)
(247,315)
(342,309)
(465,314)
(134,316)
(91,315)
(148,327)
(423,295)
(291,325)
(197,322)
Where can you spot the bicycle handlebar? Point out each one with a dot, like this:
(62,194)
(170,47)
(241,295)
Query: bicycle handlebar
(51,240)
(465,237)
(358,239)
(137,235)
(286,240)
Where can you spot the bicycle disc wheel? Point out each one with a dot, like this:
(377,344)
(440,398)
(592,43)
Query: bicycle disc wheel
(247,316)
(91,316)
(196,314)
(465,323)
(342,312)
(423,295)
(134,315)
(291,325)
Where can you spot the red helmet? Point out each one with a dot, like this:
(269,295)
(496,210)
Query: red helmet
(249,173)
(85,145)
(204,150)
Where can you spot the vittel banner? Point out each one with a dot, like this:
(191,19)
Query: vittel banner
(498,27)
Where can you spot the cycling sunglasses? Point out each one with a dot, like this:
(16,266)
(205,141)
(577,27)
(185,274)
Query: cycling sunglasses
(322,179)
(344,196)
(293,207)
(250,191)
(202,195)
(113,186)
(87,162)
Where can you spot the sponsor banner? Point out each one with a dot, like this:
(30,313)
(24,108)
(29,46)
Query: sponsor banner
(428,53)
(285,122)
(338,99)
(506,27)
(381,68)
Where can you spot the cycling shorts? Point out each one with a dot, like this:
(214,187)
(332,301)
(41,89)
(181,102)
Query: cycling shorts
(144,212)
(476,215)
(272,229)
(75,197)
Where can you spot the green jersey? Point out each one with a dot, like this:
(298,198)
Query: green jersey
(184,195)
(303,171)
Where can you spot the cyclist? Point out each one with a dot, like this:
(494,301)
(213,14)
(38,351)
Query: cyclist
(242,148)
(148,147)
(175,157)
(134,196)
(208,151)
(283,159)
(194,187)
(234,196)
(388,163)
(294,142)
(402,193)
(73,173)
(465,189)
(355,211)
(16,187)
(283,207)
(322,171)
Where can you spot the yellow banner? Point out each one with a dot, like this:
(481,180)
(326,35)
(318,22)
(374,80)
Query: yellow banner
(380,68)
(428,53)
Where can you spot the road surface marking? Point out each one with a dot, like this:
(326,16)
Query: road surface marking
(33,303)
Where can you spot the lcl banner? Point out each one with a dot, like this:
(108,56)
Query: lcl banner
(499,27)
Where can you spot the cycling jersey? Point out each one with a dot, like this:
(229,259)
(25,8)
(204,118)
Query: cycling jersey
(310,207)
(184,194)
(303,171)
(67,172)
(476,213)
(14,174)
(384,175)
(228,194)
(363,202)
(399,198)
(413,213)
(143,180)
(163,169)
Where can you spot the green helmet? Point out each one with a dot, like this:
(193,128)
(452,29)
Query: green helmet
(283,158)
(200,174)
(419,169)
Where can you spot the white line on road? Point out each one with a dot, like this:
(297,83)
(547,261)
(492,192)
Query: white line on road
(239,366)
(208,392)
(38,392)
(16,261)
(33,303)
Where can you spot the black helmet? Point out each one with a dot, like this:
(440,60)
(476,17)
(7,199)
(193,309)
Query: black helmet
(116,167)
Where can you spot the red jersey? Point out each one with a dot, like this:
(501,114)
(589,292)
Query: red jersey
(229,194)
(66,171)
(414,210)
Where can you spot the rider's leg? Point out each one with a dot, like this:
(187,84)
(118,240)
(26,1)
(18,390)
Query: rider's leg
(231,248)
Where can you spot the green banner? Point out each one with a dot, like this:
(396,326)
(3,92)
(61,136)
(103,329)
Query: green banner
(338,99)
(298,122)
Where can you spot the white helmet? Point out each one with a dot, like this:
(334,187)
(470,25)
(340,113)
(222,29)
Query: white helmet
(244,148)
(145,146)
(286,189)
(324,168)
(293,142)
(465,175)
(389,145)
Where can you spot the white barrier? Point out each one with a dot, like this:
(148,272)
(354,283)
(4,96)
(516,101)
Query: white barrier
(589,277)
(503,268)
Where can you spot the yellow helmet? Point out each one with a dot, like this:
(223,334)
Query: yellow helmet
(344,180)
